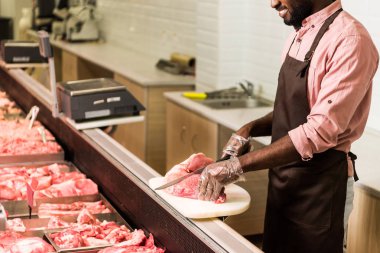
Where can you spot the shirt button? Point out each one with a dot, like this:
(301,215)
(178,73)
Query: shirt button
(312,26)
(299,40)
(329,101)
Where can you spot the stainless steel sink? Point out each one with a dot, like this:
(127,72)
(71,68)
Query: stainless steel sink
(224,103)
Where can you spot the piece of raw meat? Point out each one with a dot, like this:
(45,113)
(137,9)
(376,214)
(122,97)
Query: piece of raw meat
(31,245)
(7,238)
(16,225)
(88,231)
(146,246)
(71,187)
(188,188)
(12,242)
(17,139)
(47,209)
(48,181)
(56,222)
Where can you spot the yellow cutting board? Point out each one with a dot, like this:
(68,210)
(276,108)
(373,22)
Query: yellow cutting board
(238,201)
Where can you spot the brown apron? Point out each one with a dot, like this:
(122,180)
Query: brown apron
(306,199)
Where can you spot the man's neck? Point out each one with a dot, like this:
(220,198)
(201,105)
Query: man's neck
(320,5)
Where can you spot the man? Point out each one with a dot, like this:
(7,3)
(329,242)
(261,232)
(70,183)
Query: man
(321,107)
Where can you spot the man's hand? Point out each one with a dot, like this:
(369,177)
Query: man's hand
(236,146)
(215,176)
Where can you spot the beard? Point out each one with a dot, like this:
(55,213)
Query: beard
(298,13)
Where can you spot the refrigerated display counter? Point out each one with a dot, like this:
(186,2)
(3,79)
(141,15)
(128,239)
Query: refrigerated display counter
(123,178)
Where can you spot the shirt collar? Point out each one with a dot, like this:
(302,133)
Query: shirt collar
(321,16)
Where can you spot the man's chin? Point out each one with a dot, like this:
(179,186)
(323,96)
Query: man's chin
(291,22)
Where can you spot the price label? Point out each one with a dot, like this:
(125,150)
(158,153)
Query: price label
(30,189)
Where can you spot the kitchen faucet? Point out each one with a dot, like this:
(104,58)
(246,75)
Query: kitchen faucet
(248,88)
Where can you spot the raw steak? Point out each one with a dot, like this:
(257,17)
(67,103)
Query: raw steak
(188,188)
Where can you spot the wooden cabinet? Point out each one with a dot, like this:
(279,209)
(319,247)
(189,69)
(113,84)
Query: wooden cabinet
(188,133)
(147,139)
(75,68)
(364,221)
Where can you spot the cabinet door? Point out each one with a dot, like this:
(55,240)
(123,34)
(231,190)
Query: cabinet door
(188,133)
(132,136)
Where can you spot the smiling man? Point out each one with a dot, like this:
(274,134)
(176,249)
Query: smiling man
(321,107)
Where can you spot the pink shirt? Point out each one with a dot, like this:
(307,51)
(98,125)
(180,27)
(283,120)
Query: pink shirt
(339,81)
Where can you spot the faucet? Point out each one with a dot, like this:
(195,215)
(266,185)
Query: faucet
(249,90)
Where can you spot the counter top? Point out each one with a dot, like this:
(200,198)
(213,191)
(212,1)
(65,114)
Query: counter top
(230,118)
(367,148)
(135,66)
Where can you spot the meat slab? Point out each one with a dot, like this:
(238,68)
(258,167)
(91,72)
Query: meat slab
(12,242)
(17,139)
(88,231)
(47,209)
(48,181)
(188,188)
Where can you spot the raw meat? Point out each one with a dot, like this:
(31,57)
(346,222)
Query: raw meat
(48,181)
(12,242)
(56,222)
(30,245)
(87,226)
(7,239)
(17,139)
(146,246)
(47,209)
(188,188)
(88,231)
(16,225)
(71,187)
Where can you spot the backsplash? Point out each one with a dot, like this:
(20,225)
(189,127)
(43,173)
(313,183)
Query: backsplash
(155,28)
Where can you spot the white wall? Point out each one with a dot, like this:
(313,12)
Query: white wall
(152,27)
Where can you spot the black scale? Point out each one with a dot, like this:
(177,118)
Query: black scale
(96,98)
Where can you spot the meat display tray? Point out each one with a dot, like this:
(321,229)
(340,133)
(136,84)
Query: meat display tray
(19,208)
(15,159)
(89,249)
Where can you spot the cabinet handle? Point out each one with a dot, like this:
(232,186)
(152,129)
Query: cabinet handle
(193,143)
(182,134)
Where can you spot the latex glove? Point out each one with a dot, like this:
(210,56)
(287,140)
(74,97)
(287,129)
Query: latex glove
(236,146)
(215,176)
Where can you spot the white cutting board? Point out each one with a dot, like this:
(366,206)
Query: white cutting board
(238,201)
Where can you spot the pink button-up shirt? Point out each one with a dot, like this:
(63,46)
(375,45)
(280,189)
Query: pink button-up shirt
(339,81)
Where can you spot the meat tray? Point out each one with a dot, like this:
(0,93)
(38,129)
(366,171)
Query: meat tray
(90,249)
(19,208)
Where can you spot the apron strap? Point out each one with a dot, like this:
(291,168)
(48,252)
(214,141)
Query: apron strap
(319,36)
(353,158)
